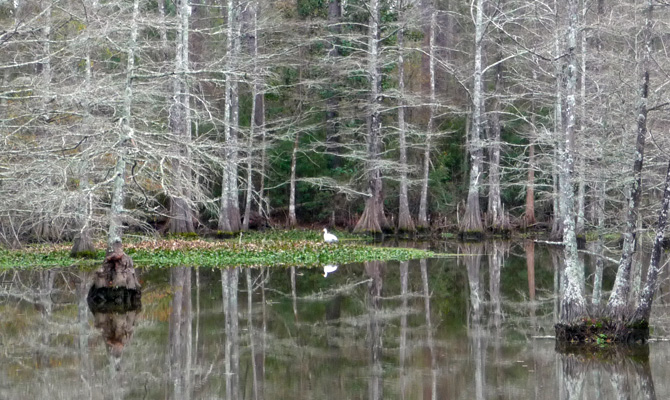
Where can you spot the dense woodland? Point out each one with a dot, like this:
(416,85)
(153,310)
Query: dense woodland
(480,116)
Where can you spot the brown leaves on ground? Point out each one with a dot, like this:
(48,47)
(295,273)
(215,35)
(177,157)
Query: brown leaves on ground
(151,245)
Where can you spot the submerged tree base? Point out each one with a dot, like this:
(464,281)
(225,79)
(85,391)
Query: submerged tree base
(471,235)
(602,332)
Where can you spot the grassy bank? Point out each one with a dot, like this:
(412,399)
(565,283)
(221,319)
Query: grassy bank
(274,249)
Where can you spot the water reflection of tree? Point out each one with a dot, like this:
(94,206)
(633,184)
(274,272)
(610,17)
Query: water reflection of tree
(256,388)
(116,323)
(373,269)
(180,335)
(429,329)
(229,283)
(626,368)
(402,347)
(497,251)
(472,259)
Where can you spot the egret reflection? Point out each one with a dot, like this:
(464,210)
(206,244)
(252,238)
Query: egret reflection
(329,269)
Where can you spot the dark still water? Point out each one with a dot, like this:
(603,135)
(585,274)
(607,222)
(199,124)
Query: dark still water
(472,326)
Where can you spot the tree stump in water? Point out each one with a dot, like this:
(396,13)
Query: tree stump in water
(600,331)
(115,285)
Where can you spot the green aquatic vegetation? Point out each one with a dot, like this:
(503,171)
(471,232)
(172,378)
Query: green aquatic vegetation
(297,248)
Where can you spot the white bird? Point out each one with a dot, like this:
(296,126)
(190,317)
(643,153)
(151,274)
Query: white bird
(329,237)
(327,269)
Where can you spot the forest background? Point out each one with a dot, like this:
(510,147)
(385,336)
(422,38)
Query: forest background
(218,115)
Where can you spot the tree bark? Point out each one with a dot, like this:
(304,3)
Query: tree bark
(619,297)
(422,220)
(557,222)
(529,215)
(581,192)
(373,218)
(572,302)
(495,213)
(292,219)
(229,213)
(471,223)
(405,221)
(125,132)
(117,271)
(643,310)
(600,218)
(257,108)
(83,240)
(333,100)
(181,213)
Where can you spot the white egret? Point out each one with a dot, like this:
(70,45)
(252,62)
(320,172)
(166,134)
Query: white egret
(327,269)
(329,237)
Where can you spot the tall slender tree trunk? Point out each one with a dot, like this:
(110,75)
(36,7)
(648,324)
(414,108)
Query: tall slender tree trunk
(572,302)
(229,213)
(263,202)
(83,240)
(471,223)
(581,171)
(581,194)
(333,100)
(405,221)
(125,132)
(643,310)
(600,220)
(44,229)
(181,213)
(257,110)
(530,188)
(292,219)
(373,218)
(557,222)
(619,297)
(422,221)
(495,213)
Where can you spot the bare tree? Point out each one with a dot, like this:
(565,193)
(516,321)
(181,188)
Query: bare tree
(643,311)
(181,214)
(405,221)
(471,222)
(619,297)
(257,105)
(572,302)
(125,139)
(373,218)
(229,212)
(422,220)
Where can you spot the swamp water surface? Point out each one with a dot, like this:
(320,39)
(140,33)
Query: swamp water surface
(468,327)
